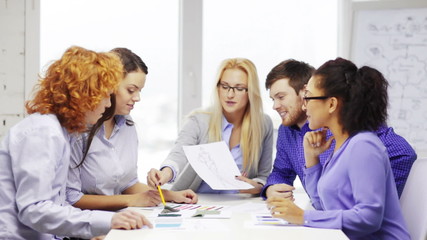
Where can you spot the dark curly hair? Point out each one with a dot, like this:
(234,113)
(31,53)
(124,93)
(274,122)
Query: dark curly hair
(363,93)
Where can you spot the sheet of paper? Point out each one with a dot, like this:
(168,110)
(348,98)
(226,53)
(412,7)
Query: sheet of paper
(266,220)
(204,211)
(214,163)
(192,211)
(260,208)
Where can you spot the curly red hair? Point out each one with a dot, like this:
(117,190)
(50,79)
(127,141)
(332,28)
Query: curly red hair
(76,84)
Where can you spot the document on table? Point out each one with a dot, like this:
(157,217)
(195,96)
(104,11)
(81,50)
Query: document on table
(187,218)
(267,220)
(214,163)
(190,211)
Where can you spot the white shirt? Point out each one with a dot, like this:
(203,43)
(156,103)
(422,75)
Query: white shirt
(34,160)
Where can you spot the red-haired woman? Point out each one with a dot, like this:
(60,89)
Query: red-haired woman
(35,154)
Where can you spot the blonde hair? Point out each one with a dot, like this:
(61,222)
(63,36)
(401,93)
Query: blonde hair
(76,84)
(252,123)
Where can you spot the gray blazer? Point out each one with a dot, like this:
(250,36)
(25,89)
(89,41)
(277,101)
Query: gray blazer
(194,132)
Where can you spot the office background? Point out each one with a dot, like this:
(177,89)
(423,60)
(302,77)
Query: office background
(182,42)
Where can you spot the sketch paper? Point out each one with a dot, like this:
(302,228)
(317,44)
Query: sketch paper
(214,163)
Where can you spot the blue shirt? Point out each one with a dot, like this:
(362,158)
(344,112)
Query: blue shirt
(34,160)
(236,152)
(110,166)
(290,160)
(355,191)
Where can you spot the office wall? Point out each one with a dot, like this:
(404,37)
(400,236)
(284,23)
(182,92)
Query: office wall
(19,28)
(391,36)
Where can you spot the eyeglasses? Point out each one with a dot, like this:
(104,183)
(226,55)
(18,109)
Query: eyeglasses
(306,99)
(226,88)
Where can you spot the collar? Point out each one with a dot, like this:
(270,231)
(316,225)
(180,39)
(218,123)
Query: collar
(225,124)
(120,120)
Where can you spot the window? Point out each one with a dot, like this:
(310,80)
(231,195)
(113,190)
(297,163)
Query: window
(265,32)
(148,28)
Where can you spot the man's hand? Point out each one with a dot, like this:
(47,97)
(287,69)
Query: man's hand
(281,190)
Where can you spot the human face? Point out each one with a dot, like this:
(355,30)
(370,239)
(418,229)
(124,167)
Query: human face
(317,107)
(232,100)
(93,116)
(287,103)
(128,92)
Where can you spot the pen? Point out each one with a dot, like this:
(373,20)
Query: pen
(161,195)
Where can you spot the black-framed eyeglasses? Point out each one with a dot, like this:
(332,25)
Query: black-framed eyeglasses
(227,88)
(306,99)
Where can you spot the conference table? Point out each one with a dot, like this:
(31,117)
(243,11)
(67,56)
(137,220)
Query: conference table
(240,224)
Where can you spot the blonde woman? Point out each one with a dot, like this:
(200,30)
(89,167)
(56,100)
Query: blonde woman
(236,117)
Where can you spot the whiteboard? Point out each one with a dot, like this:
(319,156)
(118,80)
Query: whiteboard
(394,41)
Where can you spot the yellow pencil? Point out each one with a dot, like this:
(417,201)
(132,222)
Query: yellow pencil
(161,195)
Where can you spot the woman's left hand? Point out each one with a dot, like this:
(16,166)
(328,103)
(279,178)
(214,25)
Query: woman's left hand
(285,209)
(255,190)
(185,196)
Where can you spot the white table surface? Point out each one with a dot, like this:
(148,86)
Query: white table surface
(234,228)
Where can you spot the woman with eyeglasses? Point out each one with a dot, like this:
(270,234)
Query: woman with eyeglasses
(355,189)
(235,117)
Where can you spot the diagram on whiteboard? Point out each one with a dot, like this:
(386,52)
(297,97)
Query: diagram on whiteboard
(395,42)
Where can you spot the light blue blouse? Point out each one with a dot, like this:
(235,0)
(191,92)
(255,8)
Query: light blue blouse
(34,160)
(110,165)
(236,152)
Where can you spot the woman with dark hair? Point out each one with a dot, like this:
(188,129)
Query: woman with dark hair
(355,189)
(103,169)
(35,154)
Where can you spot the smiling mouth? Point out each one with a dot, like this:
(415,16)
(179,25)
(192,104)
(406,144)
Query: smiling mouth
(283,114)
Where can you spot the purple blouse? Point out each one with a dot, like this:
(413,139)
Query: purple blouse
(290,160)
(355,191)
